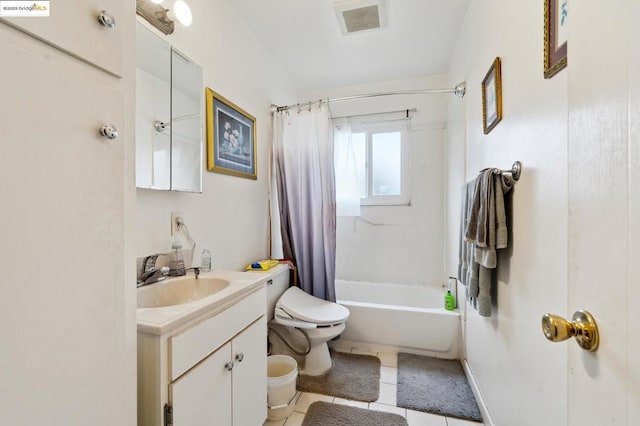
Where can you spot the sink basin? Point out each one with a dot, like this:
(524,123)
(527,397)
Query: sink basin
(179,291)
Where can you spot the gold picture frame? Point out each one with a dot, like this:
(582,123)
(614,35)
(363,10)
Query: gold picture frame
(492,97)
(555,36)
(231,138)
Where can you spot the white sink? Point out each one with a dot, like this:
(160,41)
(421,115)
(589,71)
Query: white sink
(174,302)
(178,291)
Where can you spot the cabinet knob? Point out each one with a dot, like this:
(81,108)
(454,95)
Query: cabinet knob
(106,19)
(239,357)
(109,131)
(229,366)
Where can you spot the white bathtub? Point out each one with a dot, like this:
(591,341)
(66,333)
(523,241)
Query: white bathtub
(399,317)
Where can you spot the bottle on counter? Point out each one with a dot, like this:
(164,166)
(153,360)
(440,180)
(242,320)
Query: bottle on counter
(205,260)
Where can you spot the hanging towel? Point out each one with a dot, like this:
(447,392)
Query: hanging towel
(465,248)
(483,230)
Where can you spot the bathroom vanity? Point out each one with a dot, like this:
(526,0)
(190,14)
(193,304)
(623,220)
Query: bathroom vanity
(204,361)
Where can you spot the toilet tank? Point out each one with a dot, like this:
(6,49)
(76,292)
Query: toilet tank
(277,283)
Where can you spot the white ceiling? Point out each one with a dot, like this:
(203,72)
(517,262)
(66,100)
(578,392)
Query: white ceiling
(304,35)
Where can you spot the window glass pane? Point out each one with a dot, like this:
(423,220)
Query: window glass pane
(359,142)
(387,163)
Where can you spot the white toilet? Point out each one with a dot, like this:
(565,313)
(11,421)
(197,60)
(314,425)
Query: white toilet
(321,321)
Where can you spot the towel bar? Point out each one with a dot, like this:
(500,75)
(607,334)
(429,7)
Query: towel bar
(515,171)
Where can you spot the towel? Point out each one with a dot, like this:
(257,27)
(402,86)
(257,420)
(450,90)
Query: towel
(465,248)
(483,230)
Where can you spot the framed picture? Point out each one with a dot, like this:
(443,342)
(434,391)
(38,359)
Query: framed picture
(231,138)
(492,97)
(555,36)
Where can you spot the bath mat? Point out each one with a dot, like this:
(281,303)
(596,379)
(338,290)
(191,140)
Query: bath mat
(352,376)
(322,413)
(437,386)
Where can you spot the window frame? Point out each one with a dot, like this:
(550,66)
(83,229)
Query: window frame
(404,198)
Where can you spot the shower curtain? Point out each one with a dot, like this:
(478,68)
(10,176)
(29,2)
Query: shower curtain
(303,197)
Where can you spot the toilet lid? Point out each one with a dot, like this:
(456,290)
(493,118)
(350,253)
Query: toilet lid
(303,306)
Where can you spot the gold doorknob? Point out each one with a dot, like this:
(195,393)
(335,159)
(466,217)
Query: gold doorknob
(583,327)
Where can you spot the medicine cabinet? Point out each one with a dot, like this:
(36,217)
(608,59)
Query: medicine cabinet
(168,116)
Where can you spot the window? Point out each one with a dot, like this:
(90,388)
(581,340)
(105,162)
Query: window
(380,154)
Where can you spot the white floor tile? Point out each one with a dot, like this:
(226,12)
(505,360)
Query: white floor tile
(388,359)
(452,421)
(417,418)
(306,399)
(387,394)
(388,375)
(295,419)
(351,403)
(388,408)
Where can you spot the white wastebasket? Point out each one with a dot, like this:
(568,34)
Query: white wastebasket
(282,372)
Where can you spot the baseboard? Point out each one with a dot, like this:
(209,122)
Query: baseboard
(376,347)
(484,410)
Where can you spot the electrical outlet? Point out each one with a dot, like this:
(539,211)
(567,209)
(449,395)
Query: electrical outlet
(175,218)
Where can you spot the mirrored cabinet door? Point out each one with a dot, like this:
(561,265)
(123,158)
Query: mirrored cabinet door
(168,116)
(186,124)
(153,104)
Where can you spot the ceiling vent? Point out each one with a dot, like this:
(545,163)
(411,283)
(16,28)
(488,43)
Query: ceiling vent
(360,15)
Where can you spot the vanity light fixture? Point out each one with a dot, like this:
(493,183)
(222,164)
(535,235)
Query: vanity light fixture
(160,17)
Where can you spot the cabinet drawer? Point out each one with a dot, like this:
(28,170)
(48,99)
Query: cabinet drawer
(190,346)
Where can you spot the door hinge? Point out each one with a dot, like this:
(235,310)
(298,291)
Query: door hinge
(168,415)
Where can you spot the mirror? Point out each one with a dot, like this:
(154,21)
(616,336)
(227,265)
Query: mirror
(168,116)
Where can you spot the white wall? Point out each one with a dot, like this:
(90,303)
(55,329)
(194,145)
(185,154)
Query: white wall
(230,216)
(398,244)
(521,376)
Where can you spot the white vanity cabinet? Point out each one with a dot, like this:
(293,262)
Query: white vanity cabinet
(223,388)
(211,371)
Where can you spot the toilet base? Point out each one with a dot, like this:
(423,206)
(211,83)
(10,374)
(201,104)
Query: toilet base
(318,360)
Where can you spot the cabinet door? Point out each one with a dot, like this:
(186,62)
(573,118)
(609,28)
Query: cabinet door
(65,351)
(99,45)
(250,375)
(202,396)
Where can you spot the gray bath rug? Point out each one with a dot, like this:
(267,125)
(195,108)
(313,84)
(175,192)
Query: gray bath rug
(436,386)
(328,414)
(352,376)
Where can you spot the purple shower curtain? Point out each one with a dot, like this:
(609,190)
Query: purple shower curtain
(305,184)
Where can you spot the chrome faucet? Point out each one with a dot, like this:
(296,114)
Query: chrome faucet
(196,271)
(153,276)
(148,273)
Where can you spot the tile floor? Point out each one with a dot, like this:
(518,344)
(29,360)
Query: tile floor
(386,402)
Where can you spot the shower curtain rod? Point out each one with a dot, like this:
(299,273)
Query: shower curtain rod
(459,91)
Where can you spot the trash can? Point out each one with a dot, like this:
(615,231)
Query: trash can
(282,372)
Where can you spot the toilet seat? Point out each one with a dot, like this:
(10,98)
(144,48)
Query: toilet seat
(307,311)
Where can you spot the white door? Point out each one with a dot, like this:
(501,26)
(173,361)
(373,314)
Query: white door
(203,395)
(604,209)
(250,375)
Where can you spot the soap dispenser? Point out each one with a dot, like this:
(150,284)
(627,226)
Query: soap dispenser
(449,301)
(176,260)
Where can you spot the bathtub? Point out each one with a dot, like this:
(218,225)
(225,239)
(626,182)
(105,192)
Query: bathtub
(399,317)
